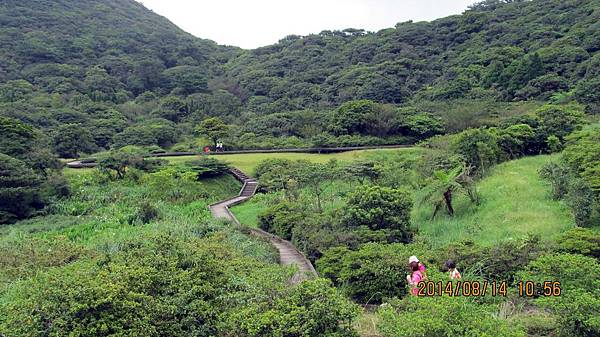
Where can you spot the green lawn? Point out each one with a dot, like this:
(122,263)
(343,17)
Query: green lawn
(247,162)
(247,213)
(515,201)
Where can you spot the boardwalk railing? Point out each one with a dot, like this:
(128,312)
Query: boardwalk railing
(91,162)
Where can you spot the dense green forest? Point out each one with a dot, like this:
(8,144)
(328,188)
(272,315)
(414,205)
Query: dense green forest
(117,74)
(500,106)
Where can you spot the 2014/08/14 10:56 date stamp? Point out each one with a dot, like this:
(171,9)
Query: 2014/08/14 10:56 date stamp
(483,288)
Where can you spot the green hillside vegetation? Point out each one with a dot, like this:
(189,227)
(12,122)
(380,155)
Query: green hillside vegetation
(499,210)
(500,106)
(126,76)
(515,201)
(248,162)
(141,255)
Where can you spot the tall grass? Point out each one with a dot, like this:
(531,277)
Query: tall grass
(102,216)
(515,201)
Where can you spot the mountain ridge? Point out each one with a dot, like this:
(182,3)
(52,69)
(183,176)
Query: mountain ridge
(118,69)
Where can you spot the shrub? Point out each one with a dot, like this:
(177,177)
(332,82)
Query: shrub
(24,257)
(363,170)
(588,92)
(580,241)
(313,308)
(270,165)
(554,144)
(160,286)
(373,272)
(281,219)
(144,213)
(208,167)
(578,306)
(584,203)
(56,185)
(478,147)
(70,140)
(582,154)
(577,192)
(354,117)
(515,140)
(442,317)
(559,176)
(499,262)
(560,120)
(379,208)
(115,164)
(19,190)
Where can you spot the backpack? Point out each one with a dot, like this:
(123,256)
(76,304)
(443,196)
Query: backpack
(424,271)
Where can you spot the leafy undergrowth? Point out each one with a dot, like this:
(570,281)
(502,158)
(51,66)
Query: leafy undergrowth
(515,201)
(102,215)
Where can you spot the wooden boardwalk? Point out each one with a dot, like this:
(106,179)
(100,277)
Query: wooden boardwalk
(92,162)
(288,253)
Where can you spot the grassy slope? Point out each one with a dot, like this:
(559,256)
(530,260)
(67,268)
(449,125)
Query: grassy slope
(247,213)
(515,201)
(247,162)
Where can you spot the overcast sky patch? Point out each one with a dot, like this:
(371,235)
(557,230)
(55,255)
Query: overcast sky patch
(252,24)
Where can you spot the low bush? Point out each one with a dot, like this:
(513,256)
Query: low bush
(144,214)
(580,241)
(313,308)
(372,273)
(20,194)
(207,167)
(166,285)
(443,316)
(499,262)
(578,305)
(281,219)
(24,257)
(379,208)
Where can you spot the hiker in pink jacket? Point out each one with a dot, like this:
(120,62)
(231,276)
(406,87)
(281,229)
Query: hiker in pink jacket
(422,269)
(414,278)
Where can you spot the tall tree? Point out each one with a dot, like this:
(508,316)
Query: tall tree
(213,128)
(71,140)
(19,190)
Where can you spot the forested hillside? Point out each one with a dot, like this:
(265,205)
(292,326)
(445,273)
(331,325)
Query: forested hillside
(115,74)
(487,224)
(506,50)
(56,44)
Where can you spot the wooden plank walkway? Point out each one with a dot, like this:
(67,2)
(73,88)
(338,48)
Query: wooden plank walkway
(288,253)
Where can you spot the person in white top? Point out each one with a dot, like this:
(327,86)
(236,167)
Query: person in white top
(452,271)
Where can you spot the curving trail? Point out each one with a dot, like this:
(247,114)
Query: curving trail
(288,253)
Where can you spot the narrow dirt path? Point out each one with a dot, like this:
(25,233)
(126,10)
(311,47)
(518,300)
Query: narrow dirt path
(288,253)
